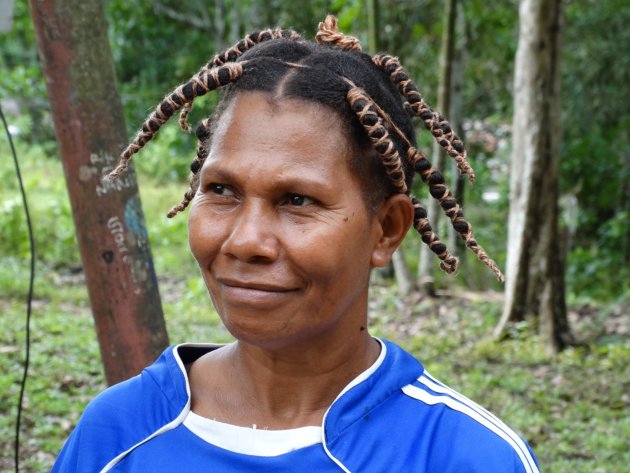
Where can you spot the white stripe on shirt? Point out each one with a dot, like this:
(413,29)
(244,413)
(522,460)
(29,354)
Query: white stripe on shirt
(438,387)
(465,408)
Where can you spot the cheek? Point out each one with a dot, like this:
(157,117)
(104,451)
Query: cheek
(344,249)
(203,238)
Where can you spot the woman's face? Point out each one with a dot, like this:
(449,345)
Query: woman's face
(279,226)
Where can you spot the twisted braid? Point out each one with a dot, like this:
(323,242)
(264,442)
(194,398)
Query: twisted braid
(198,85)
(252,39)
(328,34)
(422,225)
(203,145)
(435,123)
(452,209)
(369,115)
(364,108)
(233,53)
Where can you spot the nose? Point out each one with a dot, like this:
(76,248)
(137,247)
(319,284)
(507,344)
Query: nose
(252,239)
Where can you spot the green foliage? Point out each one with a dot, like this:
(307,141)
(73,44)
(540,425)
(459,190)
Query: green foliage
(55,239)
(168,156)
(596,165)
(22,85)
(153,53)
(601,270)
(490,39)
(168,235)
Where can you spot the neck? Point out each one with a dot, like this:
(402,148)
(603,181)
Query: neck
(281,388)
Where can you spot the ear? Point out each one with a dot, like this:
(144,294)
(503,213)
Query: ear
(393,219)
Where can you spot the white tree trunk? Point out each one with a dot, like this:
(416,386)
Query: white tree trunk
(534,275)
(401,270)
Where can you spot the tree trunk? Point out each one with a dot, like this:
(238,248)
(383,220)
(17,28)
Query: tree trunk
(235,28)
(535,273)
(455,117)
(401,270)
(426,281)
(219,24)
(113,241)
(373,26)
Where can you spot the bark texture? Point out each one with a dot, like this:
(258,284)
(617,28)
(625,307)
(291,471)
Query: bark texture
(535,270)
(113,241)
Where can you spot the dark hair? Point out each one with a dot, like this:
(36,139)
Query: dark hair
(373,96)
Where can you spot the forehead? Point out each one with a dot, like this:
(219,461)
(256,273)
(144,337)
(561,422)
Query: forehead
(289,116)
(259,128)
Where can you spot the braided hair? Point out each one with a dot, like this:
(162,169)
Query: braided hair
(373,96)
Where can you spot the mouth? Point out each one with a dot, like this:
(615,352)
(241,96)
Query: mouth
(255,295)
(258,286)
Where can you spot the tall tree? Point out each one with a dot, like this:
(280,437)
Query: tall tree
(426,267)
(455,118)
(113,240)
(535,267)
(373,30)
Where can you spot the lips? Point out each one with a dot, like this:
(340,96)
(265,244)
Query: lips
(254,285)
(253,294)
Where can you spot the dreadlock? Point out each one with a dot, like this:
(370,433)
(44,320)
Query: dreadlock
(373,96)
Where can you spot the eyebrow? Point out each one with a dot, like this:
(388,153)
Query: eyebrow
(287,182)
(218,173)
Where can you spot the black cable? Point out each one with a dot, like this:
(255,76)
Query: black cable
(29,302)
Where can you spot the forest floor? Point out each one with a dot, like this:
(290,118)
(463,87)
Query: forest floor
(572,408)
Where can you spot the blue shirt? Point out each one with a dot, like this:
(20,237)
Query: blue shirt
(394,418)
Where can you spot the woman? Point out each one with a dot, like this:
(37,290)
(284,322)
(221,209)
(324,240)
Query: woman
(299,188)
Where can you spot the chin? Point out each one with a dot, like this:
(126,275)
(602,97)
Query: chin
(268,337)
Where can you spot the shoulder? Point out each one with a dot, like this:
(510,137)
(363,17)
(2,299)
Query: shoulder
(464,436)
(125,415)
(159,391)
(406,420)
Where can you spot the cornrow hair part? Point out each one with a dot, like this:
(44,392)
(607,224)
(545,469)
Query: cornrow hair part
(435,123)
(328,34)
(233,53)
(198,85)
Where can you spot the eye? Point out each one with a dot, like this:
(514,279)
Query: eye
(299,200)
(220,189)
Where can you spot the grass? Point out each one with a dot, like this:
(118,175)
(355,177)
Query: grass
(571,408)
